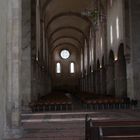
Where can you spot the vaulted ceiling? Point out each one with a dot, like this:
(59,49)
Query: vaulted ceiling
(64,23)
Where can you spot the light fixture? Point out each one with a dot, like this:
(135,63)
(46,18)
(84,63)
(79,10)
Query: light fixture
(116,58)
(95,16)
(36,58)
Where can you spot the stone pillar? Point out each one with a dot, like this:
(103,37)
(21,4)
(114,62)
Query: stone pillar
(38,29)
(34,80)
(90,82)
(94,82)
(3,64)
(84,83)
(13,101)
(128,53)
(117,79)
(130,86)
(110,80)
(103,80)
(120,79)
(98,84)
(135,45)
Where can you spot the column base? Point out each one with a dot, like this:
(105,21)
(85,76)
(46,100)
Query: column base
(14,133)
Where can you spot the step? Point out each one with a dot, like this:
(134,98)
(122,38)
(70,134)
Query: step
(58,133)
(55,138)
(53,125)
(54,115)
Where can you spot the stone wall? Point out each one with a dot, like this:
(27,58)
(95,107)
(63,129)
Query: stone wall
(135,45)
(26,53)
(10,61)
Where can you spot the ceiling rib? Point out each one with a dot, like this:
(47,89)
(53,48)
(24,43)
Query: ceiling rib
(65,37)
(64,43)
(67,27)
(68,14)
(45,6)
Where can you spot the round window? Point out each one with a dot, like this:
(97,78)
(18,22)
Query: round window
(65,54)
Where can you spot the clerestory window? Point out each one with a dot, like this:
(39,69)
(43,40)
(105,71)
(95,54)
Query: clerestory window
(58,67)
(72,67)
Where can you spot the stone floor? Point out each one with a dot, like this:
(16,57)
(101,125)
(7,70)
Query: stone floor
(68,125)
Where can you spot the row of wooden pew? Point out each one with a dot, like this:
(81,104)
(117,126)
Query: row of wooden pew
(112,130)
(92,101)
(52,102)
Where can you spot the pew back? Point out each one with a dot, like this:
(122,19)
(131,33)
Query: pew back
(112,129)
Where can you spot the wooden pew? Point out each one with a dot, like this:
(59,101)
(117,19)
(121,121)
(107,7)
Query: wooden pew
(119,132)
(95,101)
(112,130)
(52,102)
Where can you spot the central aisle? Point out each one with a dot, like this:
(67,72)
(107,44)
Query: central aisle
(54,126)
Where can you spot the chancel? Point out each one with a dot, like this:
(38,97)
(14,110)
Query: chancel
(69,69)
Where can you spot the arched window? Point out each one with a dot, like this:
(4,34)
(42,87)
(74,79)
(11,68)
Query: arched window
(58,67)
(72,67)
(117,28)
(111,34)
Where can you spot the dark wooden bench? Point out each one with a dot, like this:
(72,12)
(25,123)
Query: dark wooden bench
(52,102)
(112,129)
(106,103)
(95,101)
(119,132)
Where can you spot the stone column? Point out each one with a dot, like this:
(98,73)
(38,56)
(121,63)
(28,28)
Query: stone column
(85,83)
(94,82)
(120,79)
(82,84)
(90,82)
(98,84)
(110,80)
(103,80)
(91,86)
(135,45)
(3,64)
(13,110)
(38,29)
(117,79)
(130,86)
